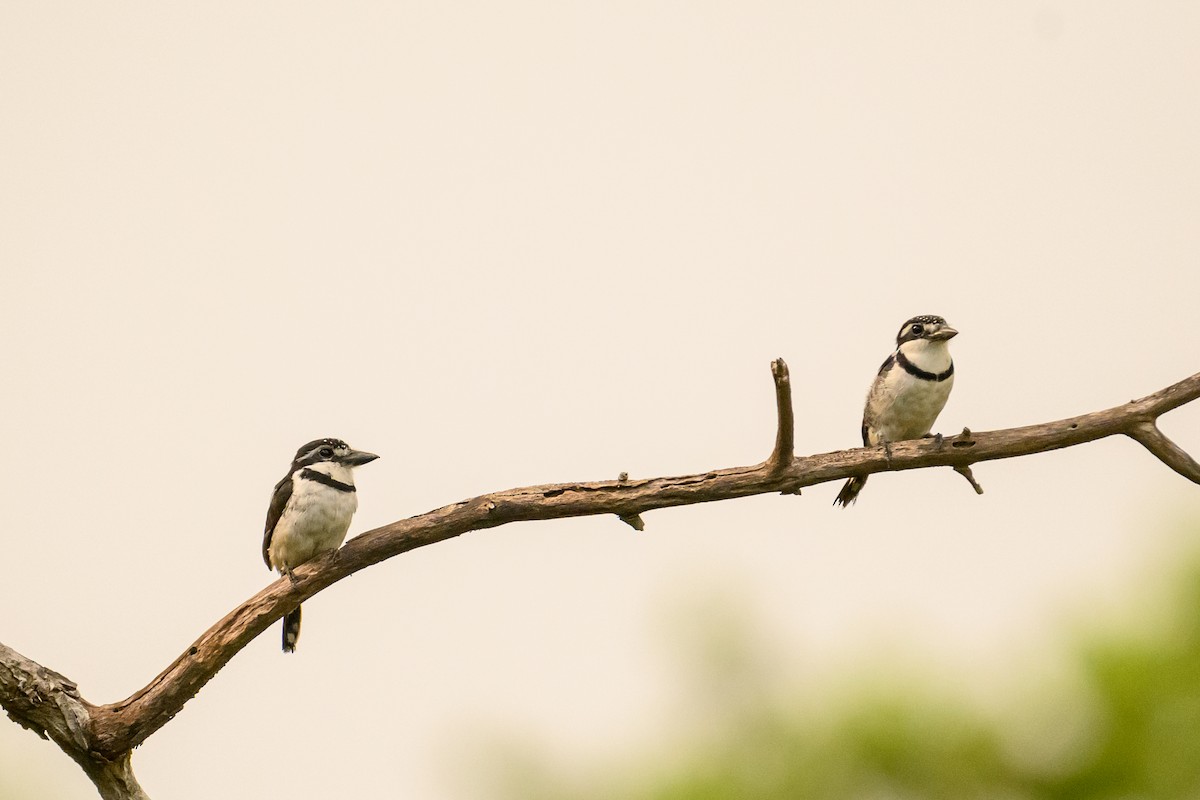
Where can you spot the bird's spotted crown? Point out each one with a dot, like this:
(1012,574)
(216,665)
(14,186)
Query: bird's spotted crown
(928,319)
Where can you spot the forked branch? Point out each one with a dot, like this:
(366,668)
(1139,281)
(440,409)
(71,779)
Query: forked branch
(1168,452)
(101,738)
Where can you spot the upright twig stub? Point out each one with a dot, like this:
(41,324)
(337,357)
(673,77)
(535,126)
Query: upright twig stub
(785,437)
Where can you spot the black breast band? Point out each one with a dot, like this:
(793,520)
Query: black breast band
(320,477)
(917,372)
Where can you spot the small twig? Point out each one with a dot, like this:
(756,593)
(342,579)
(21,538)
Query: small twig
(785,437)
(965,471)
(634,521)
(1171,454)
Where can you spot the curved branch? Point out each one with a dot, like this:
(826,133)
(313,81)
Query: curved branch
(113,730)
(127,723)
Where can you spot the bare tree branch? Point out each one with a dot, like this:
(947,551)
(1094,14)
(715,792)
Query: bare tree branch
(100,738)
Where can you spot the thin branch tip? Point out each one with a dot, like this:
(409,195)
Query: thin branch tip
(779,369)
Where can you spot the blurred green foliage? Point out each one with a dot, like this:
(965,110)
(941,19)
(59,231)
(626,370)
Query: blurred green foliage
(1128,727)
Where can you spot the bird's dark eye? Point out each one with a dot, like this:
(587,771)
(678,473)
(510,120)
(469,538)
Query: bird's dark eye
(326,452)
(917,329)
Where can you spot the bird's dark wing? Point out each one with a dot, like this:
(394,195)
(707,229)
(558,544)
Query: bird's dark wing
(279,501)
(883,368)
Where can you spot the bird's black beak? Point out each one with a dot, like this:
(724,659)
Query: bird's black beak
(356,458)
(943,333)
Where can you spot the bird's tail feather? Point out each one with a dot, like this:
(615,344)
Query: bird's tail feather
(849,492)
(291,630)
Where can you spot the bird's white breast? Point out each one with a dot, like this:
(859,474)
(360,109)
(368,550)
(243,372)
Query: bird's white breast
(902,406)
(315,519)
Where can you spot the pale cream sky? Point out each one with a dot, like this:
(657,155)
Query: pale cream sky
(514,243)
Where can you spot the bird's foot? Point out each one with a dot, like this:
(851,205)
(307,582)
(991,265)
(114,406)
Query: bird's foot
(287,571)
(887,453)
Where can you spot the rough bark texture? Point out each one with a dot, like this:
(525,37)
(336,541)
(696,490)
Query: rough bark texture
(101,738)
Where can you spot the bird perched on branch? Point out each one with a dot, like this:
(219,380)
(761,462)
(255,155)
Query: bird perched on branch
(908,393)
(310,512)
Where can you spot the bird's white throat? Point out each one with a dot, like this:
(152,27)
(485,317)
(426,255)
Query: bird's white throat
(927,355)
